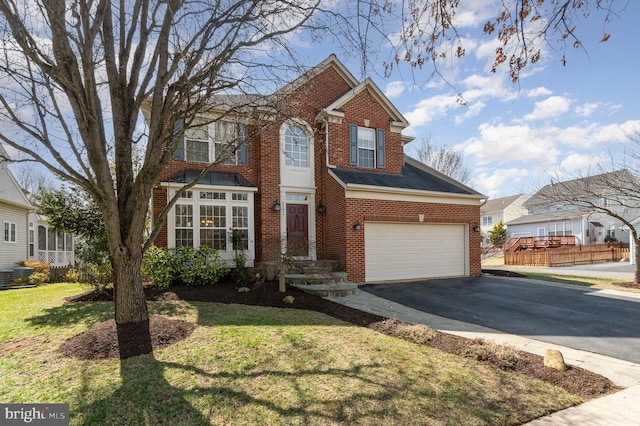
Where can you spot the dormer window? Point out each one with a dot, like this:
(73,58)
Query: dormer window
(366,147)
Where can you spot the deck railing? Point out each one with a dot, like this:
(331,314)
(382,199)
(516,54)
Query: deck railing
(56,258)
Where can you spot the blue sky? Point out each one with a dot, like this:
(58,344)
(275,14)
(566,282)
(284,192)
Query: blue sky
(556,121)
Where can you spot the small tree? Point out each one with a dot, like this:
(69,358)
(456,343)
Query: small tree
(73,211)
(498,234)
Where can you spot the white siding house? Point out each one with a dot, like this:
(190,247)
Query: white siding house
(17,220)
(502,209)
(557,210)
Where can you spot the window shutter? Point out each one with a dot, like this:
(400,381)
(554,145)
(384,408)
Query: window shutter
(380,148)
(178,140)
(353,144)
(243,149)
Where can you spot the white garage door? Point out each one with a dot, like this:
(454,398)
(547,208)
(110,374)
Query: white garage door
(406,251)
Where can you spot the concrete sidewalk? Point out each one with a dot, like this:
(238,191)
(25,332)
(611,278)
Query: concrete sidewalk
(622,408)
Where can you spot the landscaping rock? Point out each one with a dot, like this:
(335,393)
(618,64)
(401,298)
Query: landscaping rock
(288,299)
(244,290)
(553,358)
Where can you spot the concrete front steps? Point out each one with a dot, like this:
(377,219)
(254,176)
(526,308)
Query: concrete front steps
(321,278)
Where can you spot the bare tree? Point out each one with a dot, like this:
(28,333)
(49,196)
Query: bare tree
(33,182)
(446,160)
(77,76)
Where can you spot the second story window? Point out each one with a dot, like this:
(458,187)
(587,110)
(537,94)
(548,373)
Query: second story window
(295,147)
(487,220)
(366,147)
(197,144)
(228,138)
(224,141)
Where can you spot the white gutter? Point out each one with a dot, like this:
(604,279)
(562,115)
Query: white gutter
(326,141)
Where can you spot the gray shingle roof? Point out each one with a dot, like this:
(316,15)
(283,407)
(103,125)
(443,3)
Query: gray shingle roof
(412,177)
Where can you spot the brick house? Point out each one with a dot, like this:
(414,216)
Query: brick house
(323,178)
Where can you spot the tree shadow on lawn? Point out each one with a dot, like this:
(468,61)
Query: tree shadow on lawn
(145,396)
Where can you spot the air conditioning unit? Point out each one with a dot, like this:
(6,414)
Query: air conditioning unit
(6,277)
(21,272)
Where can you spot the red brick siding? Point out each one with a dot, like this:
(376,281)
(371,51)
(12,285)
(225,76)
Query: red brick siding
(403,211)
(336,238)
(365,107)
(336,227)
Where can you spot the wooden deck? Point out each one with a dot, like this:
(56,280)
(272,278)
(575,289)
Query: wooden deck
(533,243)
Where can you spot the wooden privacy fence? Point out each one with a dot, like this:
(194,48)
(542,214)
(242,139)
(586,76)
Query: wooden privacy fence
(566,256)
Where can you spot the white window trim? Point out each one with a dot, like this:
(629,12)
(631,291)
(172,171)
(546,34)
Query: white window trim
(228,254)
(373,149)
(7,236)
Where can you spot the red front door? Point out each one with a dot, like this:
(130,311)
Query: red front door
(297,229)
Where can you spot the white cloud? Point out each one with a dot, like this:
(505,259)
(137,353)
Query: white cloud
(577,164)
(491,183)
(553,106)
(502,144)
(394,89)
(538,92)
(428,109)
(587,109)
(473,109)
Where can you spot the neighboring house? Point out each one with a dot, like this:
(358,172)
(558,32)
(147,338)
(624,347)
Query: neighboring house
(26,236)
(548,215)
(325,178)
(502,209)
(17,219)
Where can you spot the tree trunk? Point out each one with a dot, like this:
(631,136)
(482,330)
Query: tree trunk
(131,315)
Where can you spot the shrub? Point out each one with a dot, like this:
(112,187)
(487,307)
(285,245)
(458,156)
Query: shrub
(98,276)
(184,265)
(38,278)
(38,267)
(156,266)
(72,275)
(240,273)
(503,356)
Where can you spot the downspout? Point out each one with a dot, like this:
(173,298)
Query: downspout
(325,120)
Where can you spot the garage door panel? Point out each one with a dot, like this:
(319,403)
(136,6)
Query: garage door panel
(398,251)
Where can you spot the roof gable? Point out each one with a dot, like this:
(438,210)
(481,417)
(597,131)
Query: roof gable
(500,204)
(10,191)
(335,108)
(330,61)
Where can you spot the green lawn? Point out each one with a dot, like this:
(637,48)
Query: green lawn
(252,365)
(611,283)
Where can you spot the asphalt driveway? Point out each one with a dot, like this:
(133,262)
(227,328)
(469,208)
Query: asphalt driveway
(607,323)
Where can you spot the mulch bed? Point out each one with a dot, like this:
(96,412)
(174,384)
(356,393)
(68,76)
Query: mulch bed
(101,341)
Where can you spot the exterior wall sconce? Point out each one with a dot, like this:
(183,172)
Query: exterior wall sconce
(476,228)
(357,226)
(276,206)
(321,208)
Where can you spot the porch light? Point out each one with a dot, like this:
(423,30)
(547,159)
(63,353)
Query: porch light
(356,226)
(321,208)
(276,206)
(476,228)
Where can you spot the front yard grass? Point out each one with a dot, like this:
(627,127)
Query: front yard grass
(604,283)
(252,365)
